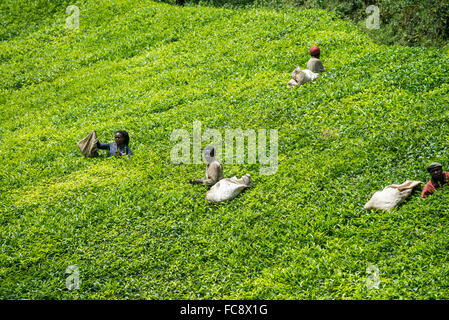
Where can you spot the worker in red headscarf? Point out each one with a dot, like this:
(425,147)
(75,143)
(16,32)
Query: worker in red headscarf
(439,179)
(315,64)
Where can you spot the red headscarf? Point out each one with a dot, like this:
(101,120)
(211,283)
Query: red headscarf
(314,51)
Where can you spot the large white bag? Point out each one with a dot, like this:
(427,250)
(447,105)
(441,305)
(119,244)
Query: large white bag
(391,196)
(228,188)
(299,77)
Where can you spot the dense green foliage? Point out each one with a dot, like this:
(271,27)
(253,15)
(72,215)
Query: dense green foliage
(406,22)
(135,227)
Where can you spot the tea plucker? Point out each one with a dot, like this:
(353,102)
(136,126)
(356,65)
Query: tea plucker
(214,169)
(119,147)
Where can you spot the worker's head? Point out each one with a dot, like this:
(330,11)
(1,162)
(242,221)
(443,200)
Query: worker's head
(121,138)
(436,170)
(209,154)
(315,52)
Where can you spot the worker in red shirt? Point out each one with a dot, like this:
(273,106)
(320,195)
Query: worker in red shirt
(439,179)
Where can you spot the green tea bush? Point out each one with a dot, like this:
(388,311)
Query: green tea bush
(136,228)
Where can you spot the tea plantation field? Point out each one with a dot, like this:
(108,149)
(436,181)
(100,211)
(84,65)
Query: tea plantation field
(136,229)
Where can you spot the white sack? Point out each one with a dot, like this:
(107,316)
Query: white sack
(391,196)
(310,75)
(292,83)
(299,77)
(228,188)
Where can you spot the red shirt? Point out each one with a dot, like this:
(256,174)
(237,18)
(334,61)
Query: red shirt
(429,188)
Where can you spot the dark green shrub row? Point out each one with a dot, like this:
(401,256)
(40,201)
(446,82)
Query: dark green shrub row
(405,22)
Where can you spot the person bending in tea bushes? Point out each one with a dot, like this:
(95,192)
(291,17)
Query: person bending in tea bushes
(314,67)
(118,148)
(214,169)
(314,64)
(439,179)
